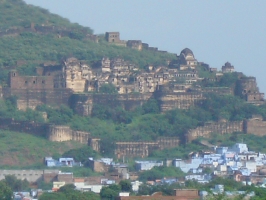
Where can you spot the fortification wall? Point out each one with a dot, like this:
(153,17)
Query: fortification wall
(140,149)
(143,149)
(30,98)
(255,126)
(94,143)
(46,130)
(181,100)
(214,127)
(30,175)
(83,103)
(33,128)
(58,133)
(218,90)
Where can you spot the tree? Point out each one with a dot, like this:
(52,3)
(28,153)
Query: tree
(82,154)
(125,185)
(16,184)
(110,192)
(53,195)
(5,191)
(67,188)
(151,106)
(108,88)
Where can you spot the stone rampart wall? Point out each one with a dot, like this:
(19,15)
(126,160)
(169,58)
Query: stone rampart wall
(255,126)
(143,149)
(51,132)
(33,128)
(181,100)
(214,127)
(59,133)
(83,103)
(30,175)
(30,98)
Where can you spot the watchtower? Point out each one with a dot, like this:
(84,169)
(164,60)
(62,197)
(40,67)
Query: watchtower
(113,37)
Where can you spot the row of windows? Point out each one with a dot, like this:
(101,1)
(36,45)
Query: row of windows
(34,82)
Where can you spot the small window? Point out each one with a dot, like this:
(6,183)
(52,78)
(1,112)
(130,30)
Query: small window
(34,82)
(43,81)
(26,82)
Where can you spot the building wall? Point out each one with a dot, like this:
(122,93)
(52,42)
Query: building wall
(30,82)
(98,166)
(65,177)
(29,175)
(50,175)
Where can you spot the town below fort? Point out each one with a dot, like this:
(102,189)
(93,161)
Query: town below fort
(86,116)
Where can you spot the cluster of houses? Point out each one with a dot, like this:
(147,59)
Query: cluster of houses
(61,162)
(237,162)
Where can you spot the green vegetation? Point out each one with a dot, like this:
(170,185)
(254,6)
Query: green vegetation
(16,13)
(35,48)
(81,154)
(255,143)
(160,173)
(110,192)
(16,184)
(8,109)
(108,88)
(68,192)
(27,151)
(5,191)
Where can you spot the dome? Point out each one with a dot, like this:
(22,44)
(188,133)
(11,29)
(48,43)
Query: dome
(186,51)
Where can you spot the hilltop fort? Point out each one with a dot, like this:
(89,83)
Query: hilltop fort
(179,84)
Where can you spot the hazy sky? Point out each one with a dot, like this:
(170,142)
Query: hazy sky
(216,31)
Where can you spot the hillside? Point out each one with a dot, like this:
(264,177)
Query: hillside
(27,34)
(24,150)
(115,93)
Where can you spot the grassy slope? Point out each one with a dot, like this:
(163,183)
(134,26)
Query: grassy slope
(16,13)
(32,47)
(23,150)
